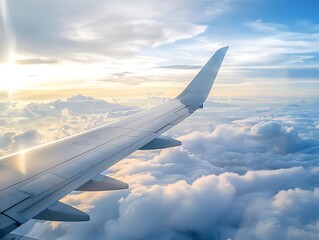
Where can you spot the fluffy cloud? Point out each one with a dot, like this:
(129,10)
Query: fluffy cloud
(15,141)
(152,212)
(27,124)
(250,175)
(287,215)
(211,207)
(261,137)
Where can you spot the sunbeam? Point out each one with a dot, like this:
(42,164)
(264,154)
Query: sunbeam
(9,37)
(9,72)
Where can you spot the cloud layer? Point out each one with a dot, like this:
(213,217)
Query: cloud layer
(245,171)
(100,28)
(24,125)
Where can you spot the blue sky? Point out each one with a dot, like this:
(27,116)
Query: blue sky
(66,48)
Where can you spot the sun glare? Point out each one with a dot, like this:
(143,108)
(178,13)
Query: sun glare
(10,78)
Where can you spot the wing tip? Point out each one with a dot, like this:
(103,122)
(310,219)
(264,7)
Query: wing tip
(225,47)
(197,91)
(222,50)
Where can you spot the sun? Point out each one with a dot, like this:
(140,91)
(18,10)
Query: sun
(11,78)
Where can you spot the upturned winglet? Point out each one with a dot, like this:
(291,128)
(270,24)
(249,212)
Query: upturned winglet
(197,91)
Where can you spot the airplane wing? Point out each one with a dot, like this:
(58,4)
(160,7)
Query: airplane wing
(33,181)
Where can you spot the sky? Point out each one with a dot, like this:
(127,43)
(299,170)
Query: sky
(248,166)
(145,48)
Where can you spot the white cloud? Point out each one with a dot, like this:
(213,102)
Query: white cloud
(241,179)
(308,24)
(102,28)
(27,124)
(259,25)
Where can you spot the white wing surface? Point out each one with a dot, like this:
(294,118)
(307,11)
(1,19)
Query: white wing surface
(33,181)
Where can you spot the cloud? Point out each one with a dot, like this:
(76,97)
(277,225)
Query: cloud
(37,61)
(259,25)
(240,160)
(6,139)
(253,174)
(29,136)
(25,125)
(211,207)
(173,205)
(308,24)
(261,137)
(272,215)
(148,37)
(77,105)
(101,28)
(298,203)
(181,67)
(17,141)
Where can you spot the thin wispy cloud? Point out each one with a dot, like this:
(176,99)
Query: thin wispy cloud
(259,25)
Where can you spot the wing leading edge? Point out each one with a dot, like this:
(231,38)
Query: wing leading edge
(74,163)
